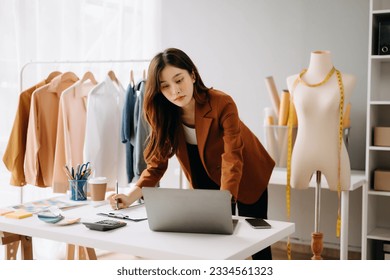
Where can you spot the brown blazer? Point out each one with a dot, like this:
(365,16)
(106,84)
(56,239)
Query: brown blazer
(16,148)
(231,154)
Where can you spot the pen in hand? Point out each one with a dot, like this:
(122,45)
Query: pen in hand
(117,192)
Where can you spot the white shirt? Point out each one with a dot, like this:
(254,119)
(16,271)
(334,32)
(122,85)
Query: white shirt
(103,147)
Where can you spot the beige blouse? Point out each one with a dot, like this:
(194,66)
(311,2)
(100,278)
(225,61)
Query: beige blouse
(42,130)
(70,132)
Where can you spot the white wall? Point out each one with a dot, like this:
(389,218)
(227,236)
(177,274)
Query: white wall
(236,43)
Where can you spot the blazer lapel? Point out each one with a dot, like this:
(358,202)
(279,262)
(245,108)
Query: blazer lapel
(202,124)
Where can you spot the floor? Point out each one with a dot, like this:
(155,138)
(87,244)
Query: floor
(304,252)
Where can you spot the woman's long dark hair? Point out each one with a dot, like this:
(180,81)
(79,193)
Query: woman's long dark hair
(163,116)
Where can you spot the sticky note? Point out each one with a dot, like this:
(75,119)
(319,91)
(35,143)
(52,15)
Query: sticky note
(20,214)
(6,211)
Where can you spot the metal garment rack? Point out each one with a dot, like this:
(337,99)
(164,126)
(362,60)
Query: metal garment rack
(69,62)
(59,62)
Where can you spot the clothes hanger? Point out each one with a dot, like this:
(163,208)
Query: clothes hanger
(132,78)
(89,76)
(52,75)
(69,76)
(112,76)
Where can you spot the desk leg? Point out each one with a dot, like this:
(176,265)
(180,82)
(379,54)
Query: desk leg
(364,220)
(11,250)
(90,253)
(70,252)
(344,225)
(83,253)
(12,241)
(26,247)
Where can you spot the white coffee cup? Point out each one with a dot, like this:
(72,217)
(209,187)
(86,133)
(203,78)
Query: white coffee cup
(98,187)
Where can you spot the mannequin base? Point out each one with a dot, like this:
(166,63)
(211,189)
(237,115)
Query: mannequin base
(316,245)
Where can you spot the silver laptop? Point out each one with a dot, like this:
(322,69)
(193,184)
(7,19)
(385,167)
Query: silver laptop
(187,210)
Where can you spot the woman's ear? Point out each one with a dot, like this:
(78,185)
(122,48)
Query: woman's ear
(193,77)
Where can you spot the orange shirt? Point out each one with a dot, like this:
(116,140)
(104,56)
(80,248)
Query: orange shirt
(42,130)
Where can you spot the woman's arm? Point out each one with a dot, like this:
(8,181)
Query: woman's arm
(149,178)
(232,158)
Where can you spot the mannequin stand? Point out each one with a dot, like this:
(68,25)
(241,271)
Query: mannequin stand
(316,241)
(316,245)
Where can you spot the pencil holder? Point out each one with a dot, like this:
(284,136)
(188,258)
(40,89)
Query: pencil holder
(78,189)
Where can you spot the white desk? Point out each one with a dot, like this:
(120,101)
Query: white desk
(358,179)
(137,239)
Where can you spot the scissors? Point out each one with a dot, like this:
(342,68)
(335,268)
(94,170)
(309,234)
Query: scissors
(83,171)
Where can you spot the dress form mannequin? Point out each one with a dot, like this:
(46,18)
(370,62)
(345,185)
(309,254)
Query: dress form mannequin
(317,143)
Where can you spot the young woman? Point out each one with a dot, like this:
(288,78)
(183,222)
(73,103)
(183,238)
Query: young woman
(201,126)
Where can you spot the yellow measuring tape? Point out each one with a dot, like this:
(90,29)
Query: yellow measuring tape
(289,148)
(341,112)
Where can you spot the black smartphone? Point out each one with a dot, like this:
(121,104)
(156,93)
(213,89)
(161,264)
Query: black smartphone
(258,223)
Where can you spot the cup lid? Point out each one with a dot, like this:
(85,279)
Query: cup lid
(98,180)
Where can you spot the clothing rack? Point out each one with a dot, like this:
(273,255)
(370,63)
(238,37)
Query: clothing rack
(42,62)
(64,62)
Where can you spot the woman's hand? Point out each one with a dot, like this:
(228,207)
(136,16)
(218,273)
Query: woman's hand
(124,200)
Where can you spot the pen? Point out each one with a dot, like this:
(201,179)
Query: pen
(117,192)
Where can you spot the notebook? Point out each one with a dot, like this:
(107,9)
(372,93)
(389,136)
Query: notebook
(187,210)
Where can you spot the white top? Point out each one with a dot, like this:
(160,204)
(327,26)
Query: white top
(190,135)
(103,147)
